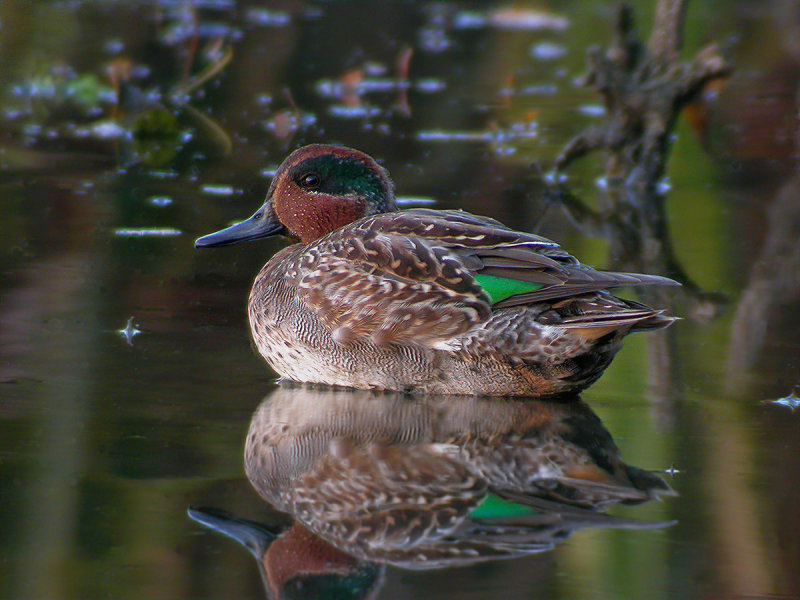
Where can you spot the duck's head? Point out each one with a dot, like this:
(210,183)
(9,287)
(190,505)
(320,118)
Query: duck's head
(317,189)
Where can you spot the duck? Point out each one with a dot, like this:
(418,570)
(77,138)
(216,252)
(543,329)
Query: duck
(422,300)
(439,480)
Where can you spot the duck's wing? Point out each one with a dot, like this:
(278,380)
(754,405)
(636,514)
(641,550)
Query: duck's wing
(513,267)
(387,287)
(388,278)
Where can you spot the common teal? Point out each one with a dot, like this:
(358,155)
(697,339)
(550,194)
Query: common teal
(438,480)
(435,301)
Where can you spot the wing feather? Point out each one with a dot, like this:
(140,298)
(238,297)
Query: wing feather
(409,276)
(388,288)
(487,247)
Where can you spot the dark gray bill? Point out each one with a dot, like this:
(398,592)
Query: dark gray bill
(261,224)
(254,536)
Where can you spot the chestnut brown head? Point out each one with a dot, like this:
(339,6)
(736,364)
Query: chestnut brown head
(317,190)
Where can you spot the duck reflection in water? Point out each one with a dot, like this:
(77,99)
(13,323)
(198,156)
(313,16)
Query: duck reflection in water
(430,482)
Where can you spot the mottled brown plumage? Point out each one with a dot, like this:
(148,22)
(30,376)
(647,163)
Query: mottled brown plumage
(423,300)
(390,479)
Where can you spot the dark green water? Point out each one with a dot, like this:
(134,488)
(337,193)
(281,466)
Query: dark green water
(103,444)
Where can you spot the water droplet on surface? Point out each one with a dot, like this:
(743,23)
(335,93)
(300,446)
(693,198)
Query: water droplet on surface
(792,401)
(214,189)
(130,331)
(592,110)
(548,51)
(265,17)
(159,201)
(146,232)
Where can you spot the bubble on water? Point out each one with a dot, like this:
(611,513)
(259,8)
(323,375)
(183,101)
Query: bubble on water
(159,201)
(430,85)
(161,174)
(265,17)
(592,110)
(548,51)
(353,112)
(553,177)
(114,45)
(792,401)
(541,89)
(130,331)
(215,189)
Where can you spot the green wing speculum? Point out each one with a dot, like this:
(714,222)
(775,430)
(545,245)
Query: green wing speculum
(501,288)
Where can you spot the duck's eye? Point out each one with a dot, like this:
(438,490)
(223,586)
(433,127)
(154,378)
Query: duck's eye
(309,181)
